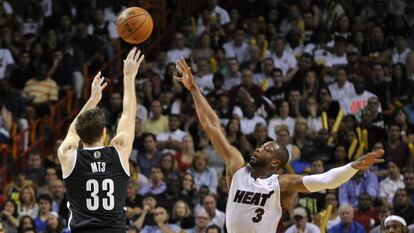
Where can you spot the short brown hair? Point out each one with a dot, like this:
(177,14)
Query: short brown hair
(89,125)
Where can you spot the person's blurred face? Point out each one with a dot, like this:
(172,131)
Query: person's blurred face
(373,104)
(44,205)
(160,213)
(149,144)
(283,137)
(187,142)
(294,97)
(26,197)
(394,133)
(131,190)
(365,202)
(249,110)
(58,188)
(340,48)
(247,77)
(174,123)
(401,197)
(409,180)
(202,66)
(187,182)
(346,215)
(200,163)
(156,108)
(401,117)
(209,204)
(317,167)
(99,17)
(205,41)
(34,161)
(9,207)
(254,54)
(378,72)
(279,46)
(394,227)
(234,125)
(277,77)
(156,175)
(167,161)
(341,77)
(180,209)
(202,220)
(284,109)
(239,37)
(52,221)
(344,23)
(310,78)
(377,34)
(393,170)
(150,201)
(269,65)
(324,95)
(233,65)
(179,40)
(301,126)
(340,153)
(397,71)
(260,132)
(27,223)
(51,174)
(65,21)
(25,59)
(330,199)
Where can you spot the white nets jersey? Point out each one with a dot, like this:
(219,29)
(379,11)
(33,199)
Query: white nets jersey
(253,205)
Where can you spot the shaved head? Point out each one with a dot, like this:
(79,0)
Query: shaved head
(270,155)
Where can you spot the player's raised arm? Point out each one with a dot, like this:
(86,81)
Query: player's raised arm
(71,141)
(210,121)
(330,179)
(125,132)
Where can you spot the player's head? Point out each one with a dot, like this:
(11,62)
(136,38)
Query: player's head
(270,155)
(90,126)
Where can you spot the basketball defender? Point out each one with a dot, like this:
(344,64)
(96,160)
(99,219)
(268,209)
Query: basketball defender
(96,176)
(256,193)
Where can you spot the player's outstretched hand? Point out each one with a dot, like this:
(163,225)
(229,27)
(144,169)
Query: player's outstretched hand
(132,63)
(186,76)
(98,84)
(368,160)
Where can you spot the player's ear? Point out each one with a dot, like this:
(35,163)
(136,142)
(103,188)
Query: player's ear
(276,163)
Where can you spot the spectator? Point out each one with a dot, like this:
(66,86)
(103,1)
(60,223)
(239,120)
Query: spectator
(409,184)
(403,207)
(26,222)
(45,207)
(182,216)
(385,211)
(146,217)
(282,119)
(342,88)
(217,217)
(188,190)
(250,119)
(157,122)
(331,199)
(150,156)
(54,223)
(156,184)
(396,148)
(161,220)
(202,220)
(237,47)
(35,171)
(301,222)
(213,229)
(133,202)
(391,183)
(233,78)
(203,174)
(395,223)
(28,205)
(283,59)
(366,214)
(9,216)
(171,139)
(362,182)
(179,50)
(347,224)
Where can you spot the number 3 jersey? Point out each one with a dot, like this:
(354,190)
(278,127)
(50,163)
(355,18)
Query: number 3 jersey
(96,190)
(254,204)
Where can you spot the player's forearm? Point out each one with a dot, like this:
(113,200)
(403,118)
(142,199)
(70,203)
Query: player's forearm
(90,104)
(130,100)
(330,179)
(205,113)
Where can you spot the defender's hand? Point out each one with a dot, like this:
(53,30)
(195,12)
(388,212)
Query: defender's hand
(98,84)
(132,63)
(187,77)
(368,160)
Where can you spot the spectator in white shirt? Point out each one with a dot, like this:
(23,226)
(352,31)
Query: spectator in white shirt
(401,50)
(250,120)
(389,185)
(217,217)
(219,13)
(179,51)
(237,47)
(6,61)
(282,59)
(301,222)
(342,88)
(234,77)
(203,77)
(282,119)
(171,139)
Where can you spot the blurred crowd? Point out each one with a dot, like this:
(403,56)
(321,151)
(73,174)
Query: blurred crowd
(329,79)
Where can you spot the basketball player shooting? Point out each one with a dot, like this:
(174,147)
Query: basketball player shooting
(256,193)
(96,176)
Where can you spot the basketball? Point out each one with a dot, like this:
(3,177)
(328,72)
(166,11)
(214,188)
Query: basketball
(134,25)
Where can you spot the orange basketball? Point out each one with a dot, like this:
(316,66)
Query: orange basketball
(134,25)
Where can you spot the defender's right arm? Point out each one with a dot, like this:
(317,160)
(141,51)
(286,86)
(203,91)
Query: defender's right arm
(210,122)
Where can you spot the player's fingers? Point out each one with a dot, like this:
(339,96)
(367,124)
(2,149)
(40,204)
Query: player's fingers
(136,56)
(179,64)
(380,153)
(178,67)
(104,85)
(97,76)
(141,59)
(379,161)
(180,79)
(131,53)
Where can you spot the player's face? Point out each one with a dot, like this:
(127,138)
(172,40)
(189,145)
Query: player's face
(394,227)
(262,155)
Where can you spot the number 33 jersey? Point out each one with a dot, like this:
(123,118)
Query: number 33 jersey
(96,190)
(254,204)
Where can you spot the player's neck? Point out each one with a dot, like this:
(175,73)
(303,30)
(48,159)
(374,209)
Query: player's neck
(97,144)
(261,172)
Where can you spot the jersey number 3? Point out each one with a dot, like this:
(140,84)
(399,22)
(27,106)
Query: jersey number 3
(259,214)
(92,186)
